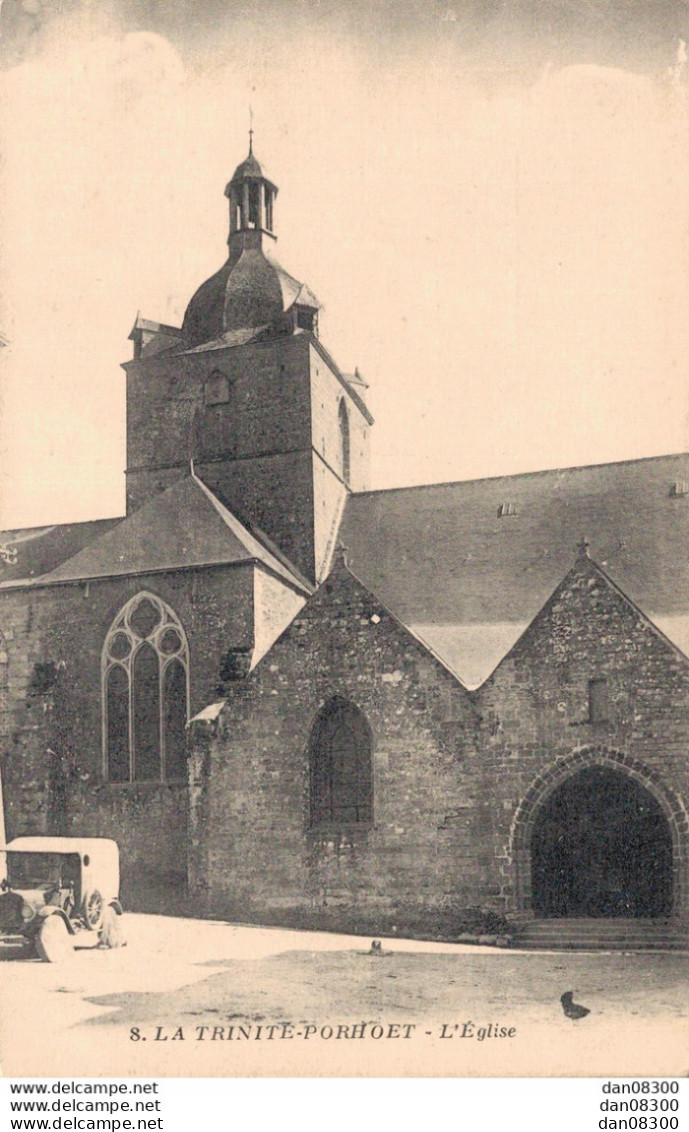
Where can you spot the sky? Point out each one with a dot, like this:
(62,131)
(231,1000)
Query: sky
(490,199)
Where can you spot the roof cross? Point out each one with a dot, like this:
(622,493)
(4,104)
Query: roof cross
(583,548)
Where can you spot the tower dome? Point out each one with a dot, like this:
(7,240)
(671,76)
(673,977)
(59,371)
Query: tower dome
(251,291)
(248,168)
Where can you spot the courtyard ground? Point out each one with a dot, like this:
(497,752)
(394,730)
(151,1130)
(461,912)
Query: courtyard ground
(202,998)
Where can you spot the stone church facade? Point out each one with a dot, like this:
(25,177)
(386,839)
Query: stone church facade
(294,700)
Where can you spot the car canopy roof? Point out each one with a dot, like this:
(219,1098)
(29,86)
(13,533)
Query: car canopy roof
(100,848)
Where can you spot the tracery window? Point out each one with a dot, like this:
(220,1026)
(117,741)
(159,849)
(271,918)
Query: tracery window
(145,682)
(340,765)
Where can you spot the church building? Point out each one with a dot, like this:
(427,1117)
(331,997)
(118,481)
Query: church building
(295,700)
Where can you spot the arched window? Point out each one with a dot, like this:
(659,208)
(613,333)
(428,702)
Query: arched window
(145,679)
(216,390)
(343,417)
(340,762)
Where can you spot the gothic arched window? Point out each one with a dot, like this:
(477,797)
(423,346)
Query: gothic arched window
(340,765)
(343,417)
(145,680)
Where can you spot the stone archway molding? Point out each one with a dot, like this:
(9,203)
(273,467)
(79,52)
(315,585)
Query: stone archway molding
(555,775)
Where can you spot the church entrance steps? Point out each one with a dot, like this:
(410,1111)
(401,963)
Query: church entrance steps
(601,934)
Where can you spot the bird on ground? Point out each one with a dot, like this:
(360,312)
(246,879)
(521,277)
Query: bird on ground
(376,949)
(573,1009)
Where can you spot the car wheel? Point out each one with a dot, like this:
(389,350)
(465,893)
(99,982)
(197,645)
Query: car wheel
(93,909)
(112,932)
(54,943)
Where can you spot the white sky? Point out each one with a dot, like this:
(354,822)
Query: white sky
(506,260)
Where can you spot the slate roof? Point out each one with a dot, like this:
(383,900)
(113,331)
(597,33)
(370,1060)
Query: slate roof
(306,298)
(441,558)
(240,337)
(40,549)
(248,291)
(182,527)
(152,338)
(249,167)
(470,581)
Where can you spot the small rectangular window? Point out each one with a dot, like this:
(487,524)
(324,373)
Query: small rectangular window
(217,389)
(680,488)
(598,701)
(507,509)
(305,319)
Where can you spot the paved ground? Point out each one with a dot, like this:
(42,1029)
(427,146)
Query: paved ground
(199,998)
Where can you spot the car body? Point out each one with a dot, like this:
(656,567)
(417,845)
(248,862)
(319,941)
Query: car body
(59,892)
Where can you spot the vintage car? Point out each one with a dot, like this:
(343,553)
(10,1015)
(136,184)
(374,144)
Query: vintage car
(58,893)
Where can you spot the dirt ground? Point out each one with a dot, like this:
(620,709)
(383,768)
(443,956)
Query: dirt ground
(197,998)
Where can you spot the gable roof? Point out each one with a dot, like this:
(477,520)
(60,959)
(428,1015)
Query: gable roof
(184,526)
(592,574)
(341,575)
(470,581)
(442,553)
(38,550)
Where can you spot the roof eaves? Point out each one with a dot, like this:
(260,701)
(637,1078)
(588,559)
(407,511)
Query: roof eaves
(307,298)
(229,341)
(45,581)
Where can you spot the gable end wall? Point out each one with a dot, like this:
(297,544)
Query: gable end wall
(253,853)
(535,729)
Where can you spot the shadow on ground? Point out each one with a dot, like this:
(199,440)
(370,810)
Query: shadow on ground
(301,985)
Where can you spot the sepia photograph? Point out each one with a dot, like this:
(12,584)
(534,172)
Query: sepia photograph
(344,509)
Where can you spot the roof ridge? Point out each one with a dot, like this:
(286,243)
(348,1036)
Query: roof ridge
(101,550)
(237,528)
(517,475)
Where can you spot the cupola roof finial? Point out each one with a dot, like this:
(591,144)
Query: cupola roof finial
(251,130)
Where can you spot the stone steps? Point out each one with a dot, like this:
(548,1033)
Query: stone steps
(592,934)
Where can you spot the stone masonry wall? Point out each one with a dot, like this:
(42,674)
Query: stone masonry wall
(270,447)
(326,393)
(51,734)
(535,729)
(273,493)
(253,449)
(457,776)
(267,410)
(254,855)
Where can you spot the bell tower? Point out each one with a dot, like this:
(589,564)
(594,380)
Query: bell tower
(252,205)
(247,392)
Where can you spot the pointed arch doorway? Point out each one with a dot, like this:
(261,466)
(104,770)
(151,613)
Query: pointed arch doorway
(601,846)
